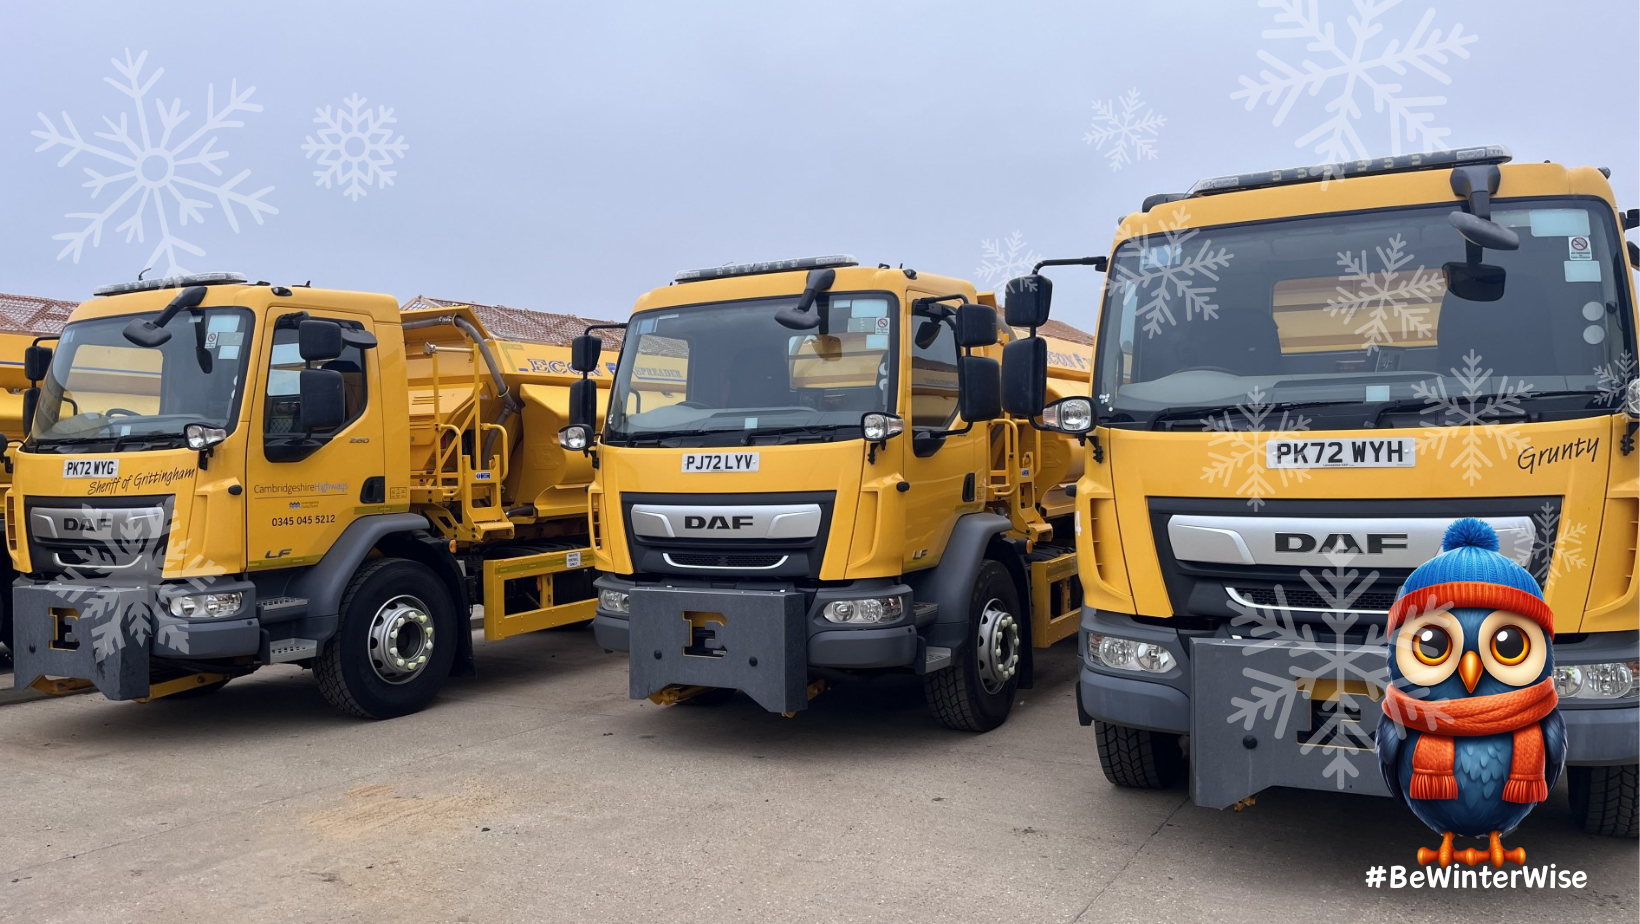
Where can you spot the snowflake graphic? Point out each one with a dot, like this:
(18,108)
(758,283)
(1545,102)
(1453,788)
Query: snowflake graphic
(1243,439)
(1566,554)
(1346,67)
(1614,379)
(156,167)
(1167,272)
(1350,661)
(135,540)
(355,147)
(1385,293)
(1474,415)
(1006,258)
(1131,132)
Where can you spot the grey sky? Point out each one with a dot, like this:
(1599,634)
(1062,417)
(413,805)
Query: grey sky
(568,157)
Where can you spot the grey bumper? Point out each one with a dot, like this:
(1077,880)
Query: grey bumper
(109,635)
(1602,735)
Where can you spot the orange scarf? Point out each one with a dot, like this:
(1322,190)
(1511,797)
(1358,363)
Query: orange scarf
(1517,711)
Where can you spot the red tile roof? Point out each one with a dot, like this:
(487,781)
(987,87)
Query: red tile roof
(523,324)
(1064,331)
(29,314)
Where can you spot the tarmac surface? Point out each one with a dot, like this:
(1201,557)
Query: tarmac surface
(538,791)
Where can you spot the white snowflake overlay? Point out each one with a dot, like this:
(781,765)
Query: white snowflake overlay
(165,170)
(1005,258)
(1129,125)
(355,147)
(1384,294)
(1475,417)
(1614,378)
(1242,440)
(135,623)
(1567,554)
(1349,666)
(1345,67)
(1167,277)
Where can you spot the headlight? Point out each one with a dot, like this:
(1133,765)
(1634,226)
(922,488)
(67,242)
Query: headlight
(205,606)
(1125,654)
(869,610)
(1073,415)
(1610,680)
(615,601)
(879,427)
(574,438)
(201,437)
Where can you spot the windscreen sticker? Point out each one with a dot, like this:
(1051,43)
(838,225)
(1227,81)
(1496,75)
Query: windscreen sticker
(1159,256)
(868,308)
(1559,222)
(1577,248)
(1582,271)
(228,352)
(223,322)
(862,325)
(876,341)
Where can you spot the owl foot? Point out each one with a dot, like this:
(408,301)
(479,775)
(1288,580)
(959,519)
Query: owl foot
(1442,856)
(1493,854)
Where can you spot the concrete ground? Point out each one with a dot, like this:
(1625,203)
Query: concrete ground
(538,792)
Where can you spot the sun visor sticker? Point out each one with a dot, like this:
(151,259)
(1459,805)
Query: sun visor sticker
(1582,271)
(1559,222)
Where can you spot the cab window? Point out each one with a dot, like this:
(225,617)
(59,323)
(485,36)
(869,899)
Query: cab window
(284,403)
(934,379)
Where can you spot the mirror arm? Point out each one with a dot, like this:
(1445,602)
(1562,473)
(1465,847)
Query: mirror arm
(1101,264)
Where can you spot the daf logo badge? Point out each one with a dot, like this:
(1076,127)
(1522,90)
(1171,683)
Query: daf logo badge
(717,522)
(1377,543)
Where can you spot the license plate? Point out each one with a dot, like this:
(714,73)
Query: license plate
(91,468)
(719,462)
(1353,453)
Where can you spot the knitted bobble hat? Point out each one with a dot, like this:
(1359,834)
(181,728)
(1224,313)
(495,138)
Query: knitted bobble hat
(1469,571)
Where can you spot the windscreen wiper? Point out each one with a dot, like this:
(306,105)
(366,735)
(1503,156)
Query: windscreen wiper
(827,431)
(1202,412)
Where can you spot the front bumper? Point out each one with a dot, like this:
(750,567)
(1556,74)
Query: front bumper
(110,635)
(1262,713)
(763,640)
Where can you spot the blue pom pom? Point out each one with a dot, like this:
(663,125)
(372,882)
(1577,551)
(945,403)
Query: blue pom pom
(1469,533)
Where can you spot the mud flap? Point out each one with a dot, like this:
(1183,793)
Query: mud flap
(752,641)
(99,635)
(1273,714)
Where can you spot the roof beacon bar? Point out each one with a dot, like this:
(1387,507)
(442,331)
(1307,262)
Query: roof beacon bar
(1404,163)
(758,269)
(171,282)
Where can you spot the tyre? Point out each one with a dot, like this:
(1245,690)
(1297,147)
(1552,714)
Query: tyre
(976,693)
(1139,758)
(1603,798)
(395,643)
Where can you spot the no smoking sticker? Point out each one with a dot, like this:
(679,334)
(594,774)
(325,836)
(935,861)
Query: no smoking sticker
(1577,248)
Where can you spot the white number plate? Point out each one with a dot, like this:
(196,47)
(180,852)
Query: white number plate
(719,462)
(1355,453)
(91,468)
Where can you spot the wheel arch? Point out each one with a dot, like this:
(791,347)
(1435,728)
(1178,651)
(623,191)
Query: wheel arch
(950,583)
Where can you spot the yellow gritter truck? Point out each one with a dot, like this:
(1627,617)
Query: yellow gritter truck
(804,478)
(1303,377)
(218,476)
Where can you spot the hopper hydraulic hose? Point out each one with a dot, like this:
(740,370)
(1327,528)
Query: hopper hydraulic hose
(509,402)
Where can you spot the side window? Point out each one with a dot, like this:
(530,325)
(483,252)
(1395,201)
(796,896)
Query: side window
(660,373)
(934,380)
(284,404)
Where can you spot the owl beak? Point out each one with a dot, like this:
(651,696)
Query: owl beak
(1470,670)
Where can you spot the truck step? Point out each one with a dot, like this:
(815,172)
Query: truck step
(936,659)
(923,613)
(292,649)
(281,609)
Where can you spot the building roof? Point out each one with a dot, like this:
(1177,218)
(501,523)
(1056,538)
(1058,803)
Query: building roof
(523,324)
(1063,331)
(30,314)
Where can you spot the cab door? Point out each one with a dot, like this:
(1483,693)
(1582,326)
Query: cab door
(306,486)
(946,473)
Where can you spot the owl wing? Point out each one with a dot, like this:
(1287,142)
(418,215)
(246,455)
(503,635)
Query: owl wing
(1389,742)
(1554,747)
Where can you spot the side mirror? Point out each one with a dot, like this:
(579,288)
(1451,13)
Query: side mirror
(980,397)
(1484,232)
(152,333)
(1026,301)
(362,339)
(976,325)
(319,341)
(1474,282)
(800,316)
(583,404)
(36,360)
(927,332)
(1025,377)
(324,403)
(583,353)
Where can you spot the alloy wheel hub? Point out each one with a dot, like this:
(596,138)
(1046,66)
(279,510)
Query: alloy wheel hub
(401,639)
(998,647)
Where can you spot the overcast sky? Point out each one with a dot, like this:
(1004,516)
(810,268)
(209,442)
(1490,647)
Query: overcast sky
(568,157)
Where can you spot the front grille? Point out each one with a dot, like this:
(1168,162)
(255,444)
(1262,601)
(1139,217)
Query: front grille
(1303,598)
(747,560)
(88,540)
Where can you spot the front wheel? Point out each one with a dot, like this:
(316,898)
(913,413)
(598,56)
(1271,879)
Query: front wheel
(1603,798)
(395,643)
(1139,758)
(977,693)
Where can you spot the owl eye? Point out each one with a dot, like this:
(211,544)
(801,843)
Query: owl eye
(1432,645)
(1510,645)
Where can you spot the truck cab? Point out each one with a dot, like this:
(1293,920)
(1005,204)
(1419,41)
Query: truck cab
(804,477)
(1303,377)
